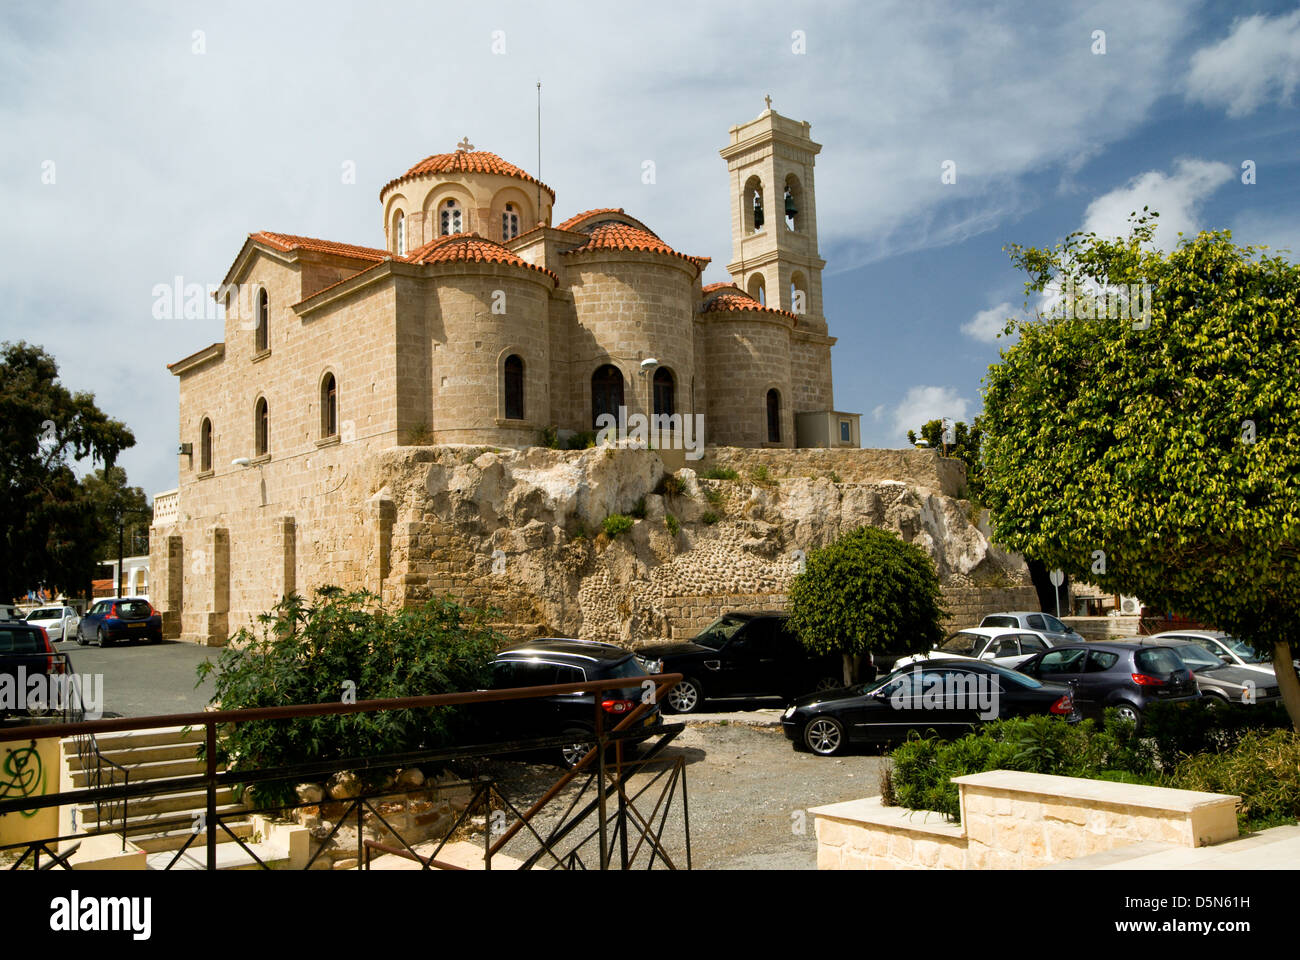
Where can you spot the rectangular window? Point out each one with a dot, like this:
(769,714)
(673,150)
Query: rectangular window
(846,432)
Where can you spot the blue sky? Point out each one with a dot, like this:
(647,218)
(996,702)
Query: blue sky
(165,157)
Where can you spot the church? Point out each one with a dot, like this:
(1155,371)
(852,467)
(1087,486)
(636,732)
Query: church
(480,320)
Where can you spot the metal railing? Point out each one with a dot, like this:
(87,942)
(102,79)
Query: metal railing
(605,766)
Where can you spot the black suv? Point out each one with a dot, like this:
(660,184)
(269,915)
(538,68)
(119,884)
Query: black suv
(744,654)
(542,662)
(25,652)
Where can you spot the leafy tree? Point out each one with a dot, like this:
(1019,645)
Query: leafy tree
(50,521)
(966,449)
(344,643)
(867,592)
(113,500)
(1158,456)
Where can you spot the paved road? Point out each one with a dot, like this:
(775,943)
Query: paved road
(141,680)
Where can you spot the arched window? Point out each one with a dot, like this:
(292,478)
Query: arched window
(792,202)
(663,386)
(758,288)
(606,393)
(753,204)
(400,232)
(773,416)
(514,370)
(509,222)
(329,407)
(450,219)
(261,428)
(263,322)
(205,445)
(798,293)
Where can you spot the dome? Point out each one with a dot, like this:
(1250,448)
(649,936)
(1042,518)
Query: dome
(465,161)
(470,248)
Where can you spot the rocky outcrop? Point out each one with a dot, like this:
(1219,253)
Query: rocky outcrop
(528,532)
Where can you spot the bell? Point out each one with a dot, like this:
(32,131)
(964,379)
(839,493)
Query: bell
(791,210)
(758,212)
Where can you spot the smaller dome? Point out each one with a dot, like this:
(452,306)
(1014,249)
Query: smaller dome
(470,248)
(616,235)
(719,297)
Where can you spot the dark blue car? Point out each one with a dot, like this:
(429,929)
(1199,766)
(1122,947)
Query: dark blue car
(120,618)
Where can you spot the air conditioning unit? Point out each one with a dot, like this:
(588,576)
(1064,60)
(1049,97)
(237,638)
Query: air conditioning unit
(1130,606)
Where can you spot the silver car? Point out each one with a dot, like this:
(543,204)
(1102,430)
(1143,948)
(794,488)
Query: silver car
(1044,623)
(1007,647)
(1227,648)
(59,622)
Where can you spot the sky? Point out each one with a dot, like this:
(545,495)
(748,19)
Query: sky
(140,142)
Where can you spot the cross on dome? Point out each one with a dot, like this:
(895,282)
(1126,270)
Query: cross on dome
(464,146)
(768,101)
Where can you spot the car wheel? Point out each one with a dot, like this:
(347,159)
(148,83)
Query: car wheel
(81,641)
(571,753)
(1216,704)
(101,637)
(1130,713)
(824,736)
(686,697)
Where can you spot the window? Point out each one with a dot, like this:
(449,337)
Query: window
(450,218)
(1062,661)
(514,388)
(509,222)
(758,289)
(663,389)
(1036,622)
(263,322)
(1031,644)
(1056,626)
(205,445)
(1007,647)
(846,432)
(329,407)
(753,204)
(793,201)
(1099,661)
(401,234)
(773,416)
(606,393)
(261,428)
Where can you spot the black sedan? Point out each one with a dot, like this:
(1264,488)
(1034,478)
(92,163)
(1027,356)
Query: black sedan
(120,618)
(947,697)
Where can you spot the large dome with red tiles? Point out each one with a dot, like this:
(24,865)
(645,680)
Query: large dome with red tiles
(465,161)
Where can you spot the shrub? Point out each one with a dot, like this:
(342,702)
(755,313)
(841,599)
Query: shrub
(710,518)
(1263,769)
(671,523)
(720,473)
(615,524)
(834,477)
(761,474)
(550,438)
(638,509)
(670,485)
(302,654)
(713,495)
(581,440)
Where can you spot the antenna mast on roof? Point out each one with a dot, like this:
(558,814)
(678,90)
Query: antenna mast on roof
(539,151)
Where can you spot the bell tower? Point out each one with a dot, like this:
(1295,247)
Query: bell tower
(774,215)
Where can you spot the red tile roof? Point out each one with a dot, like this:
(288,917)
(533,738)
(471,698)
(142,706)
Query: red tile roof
(613,235)
(466,161)
(287,242)
(727,296)
(470,247)
(578,218)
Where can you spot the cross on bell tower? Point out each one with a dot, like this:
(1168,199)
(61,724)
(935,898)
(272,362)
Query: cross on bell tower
(774,215)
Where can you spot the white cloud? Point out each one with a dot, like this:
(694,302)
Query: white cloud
(987,324)
(1177,197)
(922,404)
(1259,59)
(1278,233)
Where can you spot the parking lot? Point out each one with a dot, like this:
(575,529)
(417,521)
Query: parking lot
(141,679)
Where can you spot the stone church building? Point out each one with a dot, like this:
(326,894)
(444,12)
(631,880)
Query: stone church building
(480,320)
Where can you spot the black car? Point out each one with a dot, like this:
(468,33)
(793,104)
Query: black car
(1222,684)
(744,654)
(542,662)
(1123,674)
(25,652)
(120,618)
(948,697)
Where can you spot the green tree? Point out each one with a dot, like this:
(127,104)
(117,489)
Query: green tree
(115,503)
(1158,456)
(50,521)
(867,592)
(969,439)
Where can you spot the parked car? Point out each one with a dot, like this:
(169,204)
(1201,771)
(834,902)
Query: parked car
(1046,624)
(550,661)
(744,654)
(9,612)
(117,619)
(1123,674)
(59,622)
(950,697)
(1221,683)
(1227,648)
(1007,646)
(27,648)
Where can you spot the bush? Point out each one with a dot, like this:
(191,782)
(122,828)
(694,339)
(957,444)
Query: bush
(670,485)
(671,523)
(615,524)
(638,509)
(311,654)
(581,440)
(834,477)
(550,438)
(720,473)
(710,518)
(1263,769)
(761,474)
(713,495)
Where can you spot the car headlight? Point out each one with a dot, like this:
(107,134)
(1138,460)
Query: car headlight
(789,712)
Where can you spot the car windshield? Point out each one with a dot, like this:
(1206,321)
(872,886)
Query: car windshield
(997,621)
(1196,657)
(52,613)
(1244,650)
(716,634)
(1158,661)
(965,644)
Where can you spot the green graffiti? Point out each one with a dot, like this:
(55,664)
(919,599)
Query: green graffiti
(22,774)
